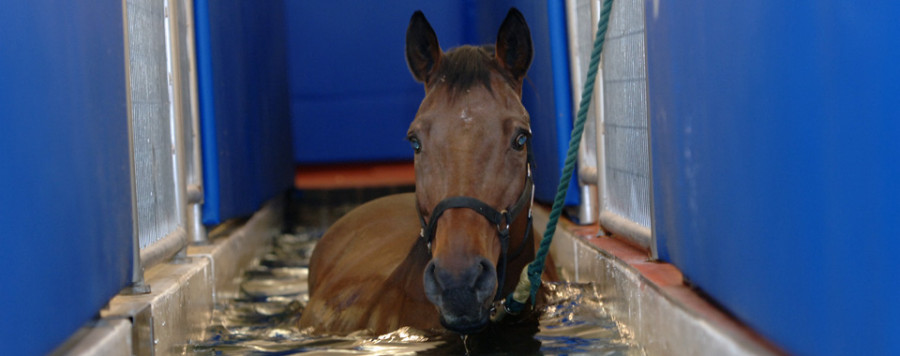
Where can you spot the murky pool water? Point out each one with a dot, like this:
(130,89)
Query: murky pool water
(261,319)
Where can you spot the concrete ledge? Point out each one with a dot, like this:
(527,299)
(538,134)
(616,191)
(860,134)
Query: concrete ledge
(178,309)
(229,256)
(648,299)
(180,306)
(104,337)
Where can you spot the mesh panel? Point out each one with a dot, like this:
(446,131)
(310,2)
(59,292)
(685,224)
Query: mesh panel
(586,27)
(152,129)
(627,160)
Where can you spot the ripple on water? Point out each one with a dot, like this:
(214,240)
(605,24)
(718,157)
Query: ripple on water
(262,319)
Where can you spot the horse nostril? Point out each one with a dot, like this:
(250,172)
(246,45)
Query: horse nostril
(444,278)
(478,276)
(431,274)
(486,278)
(432,283)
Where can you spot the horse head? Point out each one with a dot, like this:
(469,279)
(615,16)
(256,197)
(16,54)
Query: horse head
(472,160)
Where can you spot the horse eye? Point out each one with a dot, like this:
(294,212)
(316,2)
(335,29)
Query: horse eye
(416,145)
(520,141)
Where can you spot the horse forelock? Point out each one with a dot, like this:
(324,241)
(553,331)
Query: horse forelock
(464,67)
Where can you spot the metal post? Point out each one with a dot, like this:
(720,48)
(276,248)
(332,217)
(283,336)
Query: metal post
(654,249)
(176,118)
(197,233)
(187,121)
(589,208)
(137,272)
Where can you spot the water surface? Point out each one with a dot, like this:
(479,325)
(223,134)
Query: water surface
(261,318)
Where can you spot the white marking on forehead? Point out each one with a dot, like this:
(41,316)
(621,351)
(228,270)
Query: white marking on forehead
(464,115)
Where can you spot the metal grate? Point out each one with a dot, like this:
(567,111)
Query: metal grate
(585,28)
(626,155)
(154,145)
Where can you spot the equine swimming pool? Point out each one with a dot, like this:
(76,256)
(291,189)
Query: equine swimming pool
(261,317)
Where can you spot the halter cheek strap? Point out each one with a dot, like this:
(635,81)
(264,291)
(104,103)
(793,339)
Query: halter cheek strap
(500,219)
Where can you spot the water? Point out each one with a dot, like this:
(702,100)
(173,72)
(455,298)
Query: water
(262,317)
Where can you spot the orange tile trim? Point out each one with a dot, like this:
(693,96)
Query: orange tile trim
(357,175)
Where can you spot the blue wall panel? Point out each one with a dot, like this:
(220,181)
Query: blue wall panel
(352,96)
(775,162)
(245,112)
(65,191)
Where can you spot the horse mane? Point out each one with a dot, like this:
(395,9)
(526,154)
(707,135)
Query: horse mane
(463,67)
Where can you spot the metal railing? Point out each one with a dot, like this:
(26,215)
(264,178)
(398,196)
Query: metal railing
(614,163)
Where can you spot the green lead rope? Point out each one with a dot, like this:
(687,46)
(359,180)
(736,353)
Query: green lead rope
(530,280)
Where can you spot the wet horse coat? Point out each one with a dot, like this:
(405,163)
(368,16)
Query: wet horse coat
(374,269)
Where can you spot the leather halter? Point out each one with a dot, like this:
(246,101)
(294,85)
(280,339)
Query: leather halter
(500,219)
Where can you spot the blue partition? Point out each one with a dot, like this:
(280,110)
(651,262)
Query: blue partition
(244,107)
(775,149)
(65,191)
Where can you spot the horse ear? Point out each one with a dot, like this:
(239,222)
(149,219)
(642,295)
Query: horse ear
(514,50)
(423,54)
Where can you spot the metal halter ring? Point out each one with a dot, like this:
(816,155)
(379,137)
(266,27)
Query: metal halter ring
(505,230)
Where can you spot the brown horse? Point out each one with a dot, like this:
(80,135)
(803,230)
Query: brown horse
(388,263)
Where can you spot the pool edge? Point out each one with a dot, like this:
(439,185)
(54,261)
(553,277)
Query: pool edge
(648,299)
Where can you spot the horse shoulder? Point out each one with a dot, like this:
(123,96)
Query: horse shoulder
(369,240)
(363,259)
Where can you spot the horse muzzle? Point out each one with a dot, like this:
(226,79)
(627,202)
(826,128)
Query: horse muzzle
(462,295)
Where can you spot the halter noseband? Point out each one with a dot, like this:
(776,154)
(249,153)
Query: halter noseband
(500,219)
